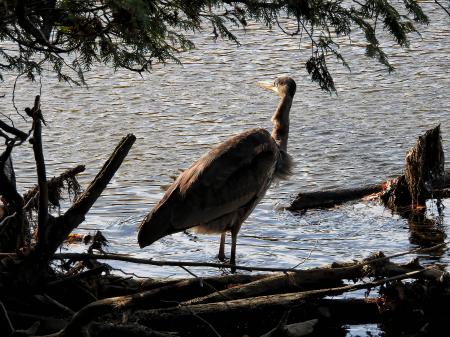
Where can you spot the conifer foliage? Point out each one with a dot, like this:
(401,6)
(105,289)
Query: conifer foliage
(69,36)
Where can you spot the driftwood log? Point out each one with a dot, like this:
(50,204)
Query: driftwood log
(206,306)
(251,304)
(330,198)
(424,178)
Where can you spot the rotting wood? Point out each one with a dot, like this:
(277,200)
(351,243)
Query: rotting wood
(155,298)
(330,198)
(263,308)
(150,304)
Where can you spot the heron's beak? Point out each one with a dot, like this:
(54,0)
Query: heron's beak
(268,86)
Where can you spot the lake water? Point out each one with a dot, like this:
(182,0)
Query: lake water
(178,112)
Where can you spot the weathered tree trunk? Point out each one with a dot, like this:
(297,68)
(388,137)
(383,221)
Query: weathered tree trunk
(424,164)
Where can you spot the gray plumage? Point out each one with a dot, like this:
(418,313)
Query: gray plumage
(220,190)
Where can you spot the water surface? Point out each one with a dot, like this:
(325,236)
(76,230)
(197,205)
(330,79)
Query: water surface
(357,137)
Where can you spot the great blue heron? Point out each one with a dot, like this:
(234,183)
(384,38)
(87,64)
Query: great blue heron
(220,190)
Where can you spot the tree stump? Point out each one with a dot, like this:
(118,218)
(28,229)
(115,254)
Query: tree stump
(424,164)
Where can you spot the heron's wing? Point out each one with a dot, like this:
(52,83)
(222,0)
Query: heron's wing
(227,177)
(224,180)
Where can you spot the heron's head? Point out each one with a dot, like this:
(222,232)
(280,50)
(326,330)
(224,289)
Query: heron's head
(283,86)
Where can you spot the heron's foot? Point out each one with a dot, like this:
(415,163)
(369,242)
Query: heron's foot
(221,257)
(233,263)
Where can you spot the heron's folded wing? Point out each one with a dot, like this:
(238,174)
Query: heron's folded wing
(225,179)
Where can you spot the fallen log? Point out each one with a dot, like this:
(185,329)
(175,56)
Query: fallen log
(182,293)
(258,313)
(155,298)
(330,198)
(424,178)
(255,317)
(319,278)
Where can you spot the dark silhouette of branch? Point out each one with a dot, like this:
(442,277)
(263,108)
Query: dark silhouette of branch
(124,258)
(442,6)
(29,197)
(41,172)
(12,130)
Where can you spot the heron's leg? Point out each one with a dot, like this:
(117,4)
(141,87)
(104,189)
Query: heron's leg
(222,247)
(234,232)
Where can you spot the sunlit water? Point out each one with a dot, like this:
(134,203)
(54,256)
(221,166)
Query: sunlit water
(178,112)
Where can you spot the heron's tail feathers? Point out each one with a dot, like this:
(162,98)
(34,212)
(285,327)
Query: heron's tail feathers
(285,166)
(154,226)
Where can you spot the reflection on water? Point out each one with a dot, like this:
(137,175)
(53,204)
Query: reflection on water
(359,136)
(427,229)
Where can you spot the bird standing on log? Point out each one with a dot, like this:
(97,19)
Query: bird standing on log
(220,190)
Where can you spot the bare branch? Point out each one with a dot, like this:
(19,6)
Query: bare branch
(442,6)
(12,130)
(41,173)
(54,183)
(124,258)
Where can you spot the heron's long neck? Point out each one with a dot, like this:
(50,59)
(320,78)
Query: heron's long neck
(280,120)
